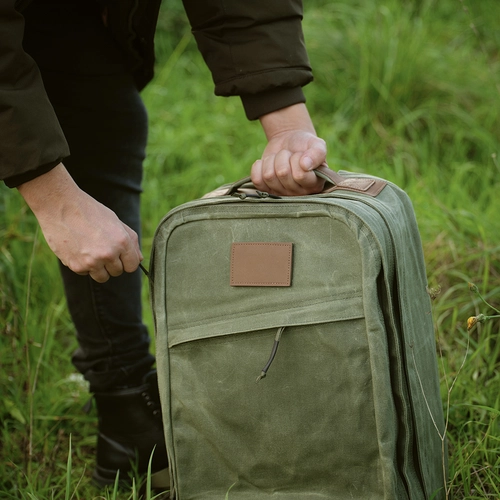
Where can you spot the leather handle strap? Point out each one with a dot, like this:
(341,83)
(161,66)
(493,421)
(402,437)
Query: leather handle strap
(236,185)
(329,175)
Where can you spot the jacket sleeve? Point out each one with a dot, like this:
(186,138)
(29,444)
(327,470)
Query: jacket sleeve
(31,139)
(254,49)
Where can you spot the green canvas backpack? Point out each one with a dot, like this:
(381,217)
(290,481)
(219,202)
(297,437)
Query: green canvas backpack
(295,346)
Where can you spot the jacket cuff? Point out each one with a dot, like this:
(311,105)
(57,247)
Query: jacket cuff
(17,180)
(262,103)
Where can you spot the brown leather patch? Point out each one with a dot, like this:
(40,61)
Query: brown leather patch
(371,187)
(357,183)
(261,264)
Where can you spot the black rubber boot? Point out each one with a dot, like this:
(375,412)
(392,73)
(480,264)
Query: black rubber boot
(130,427)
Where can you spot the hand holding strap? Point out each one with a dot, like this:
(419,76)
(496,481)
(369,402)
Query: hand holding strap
(366,185)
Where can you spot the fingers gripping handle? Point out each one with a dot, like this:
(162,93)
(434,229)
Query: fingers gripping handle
(370,186)
(323,172)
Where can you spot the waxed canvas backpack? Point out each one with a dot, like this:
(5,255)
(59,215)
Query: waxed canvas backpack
(295,346)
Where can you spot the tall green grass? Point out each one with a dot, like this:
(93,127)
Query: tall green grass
(407,90)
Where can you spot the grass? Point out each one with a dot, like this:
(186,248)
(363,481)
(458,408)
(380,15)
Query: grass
(409,91)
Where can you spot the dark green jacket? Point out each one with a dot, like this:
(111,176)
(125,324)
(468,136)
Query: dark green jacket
(254,49)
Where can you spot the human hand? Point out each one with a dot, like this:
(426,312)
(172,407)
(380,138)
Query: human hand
(292,153)
(85,235)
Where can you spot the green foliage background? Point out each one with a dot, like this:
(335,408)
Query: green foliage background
(406,90)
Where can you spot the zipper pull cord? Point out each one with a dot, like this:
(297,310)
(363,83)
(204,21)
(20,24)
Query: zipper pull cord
(146,272)
(277,339)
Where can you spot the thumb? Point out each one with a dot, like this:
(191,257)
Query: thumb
(314,156)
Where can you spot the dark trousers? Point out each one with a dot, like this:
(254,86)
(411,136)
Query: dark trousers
(105,123)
